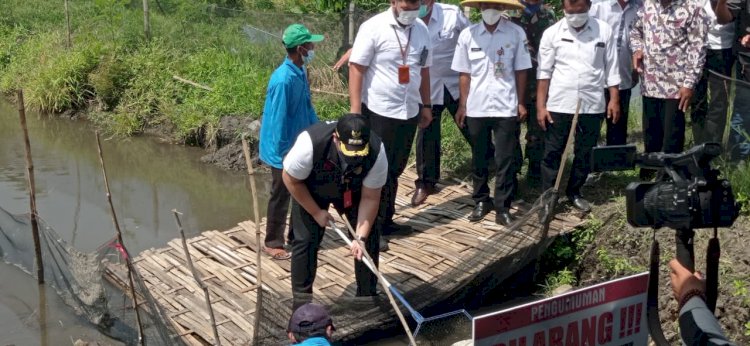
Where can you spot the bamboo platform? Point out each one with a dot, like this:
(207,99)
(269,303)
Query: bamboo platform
(445,253)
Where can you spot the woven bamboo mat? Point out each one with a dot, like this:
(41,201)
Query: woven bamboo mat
(432,259)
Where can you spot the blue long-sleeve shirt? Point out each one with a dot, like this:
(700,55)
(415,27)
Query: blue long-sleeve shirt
(287,112)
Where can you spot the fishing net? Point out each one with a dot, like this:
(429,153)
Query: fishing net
(77,277)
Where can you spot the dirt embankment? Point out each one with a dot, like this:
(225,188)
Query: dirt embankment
(619,249)
(226,150)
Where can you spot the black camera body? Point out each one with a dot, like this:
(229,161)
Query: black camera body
(687,194)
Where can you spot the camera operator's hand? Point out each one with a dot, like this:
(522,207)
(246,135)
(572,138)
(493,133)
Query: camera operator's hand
(683,281)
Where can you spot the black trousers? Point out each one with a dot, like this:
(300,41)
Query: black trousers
(429,142)
(503,132)
(397,136)
(739,141)
(663,128)
(278,206)
(307,238)
(555,138)
(711,99)
(617,133)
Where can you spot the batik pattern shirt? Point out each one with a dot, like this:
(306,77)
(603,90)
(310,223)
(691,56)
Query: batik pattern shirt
(673,39)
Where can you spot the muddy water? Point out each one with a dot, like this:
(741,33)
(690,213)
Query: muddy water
(148,179)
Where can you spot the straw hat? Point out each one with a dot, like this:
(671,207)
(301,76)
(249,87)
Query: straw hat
(509,4)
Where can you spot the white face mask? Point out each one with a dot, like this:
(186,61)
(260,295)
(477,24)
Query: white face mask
(491,16)
(407,17)
(577,20)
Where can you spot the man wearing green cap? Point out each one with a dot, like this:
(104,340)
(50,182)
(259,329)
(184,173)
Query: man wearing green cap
(288,110)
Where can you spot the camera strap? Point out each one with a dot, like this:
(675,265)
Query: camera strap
(652,299)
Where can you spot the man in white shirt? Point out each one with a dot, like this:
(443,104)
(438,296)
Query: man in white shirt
(709,118)
(620,15)
(577,59)
(444,23)
(341,163)
(389,83)
(492,59)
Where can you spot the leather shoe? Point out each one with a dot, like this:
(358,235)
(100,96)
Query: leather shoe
(580,203)
(383,244)
(504,218)
(482,209)
(420,195)
(397,229)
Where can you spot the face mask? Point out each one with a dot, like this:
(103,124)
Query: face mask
(531,9)
(491,16)
(407,17)
(577,20)
(307,59)
(423,11)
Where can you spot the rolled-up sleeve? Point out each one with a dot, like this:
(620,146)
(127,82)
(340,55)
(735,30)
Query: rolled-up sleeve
(636,33)
(461,56)
(298,162)
(612,70)
(697,35)
(546,56)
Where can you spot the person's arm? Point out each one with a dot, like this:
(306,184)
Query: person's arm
(297,167)
(546,60)
(424,92)
(522,64)
(521,82)
(636,41)
(464,84)
(462,65)
(356,76)
(301,194)
(612,78)
(727,10)
(697,37)
(343,60)
(368,210)
(698,326)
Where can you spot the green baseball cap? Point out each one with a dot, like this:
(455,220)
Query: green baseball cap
(297,34)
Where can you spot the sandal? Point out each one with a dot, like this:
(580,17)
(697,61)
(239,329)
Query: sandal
(277,254)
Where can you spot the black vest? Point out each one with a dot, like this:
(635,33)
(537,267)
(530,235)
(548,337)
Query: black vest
(329,179)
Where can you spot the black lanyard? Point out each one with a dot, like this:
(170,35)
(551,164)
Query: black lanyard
(402,48)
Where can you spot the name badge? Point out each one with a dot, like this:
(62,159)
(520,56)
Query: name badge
(348,199)
(403,74)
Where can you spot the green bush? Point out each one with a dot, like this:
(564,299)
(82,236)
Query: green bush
(109,81)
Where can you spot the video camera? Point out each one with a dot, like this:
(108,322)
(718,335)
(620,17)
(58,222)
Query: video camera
(687,194)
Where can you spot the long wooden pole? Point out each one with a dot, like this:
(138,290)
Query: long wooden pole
(128,262)
(67,23)
(259,291)
(32,190)
(146,21)
(197,278)
(377,273)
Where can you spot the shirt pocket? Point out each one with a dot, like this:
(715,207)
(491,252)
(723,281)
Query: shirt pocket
(478,62)
(597,54)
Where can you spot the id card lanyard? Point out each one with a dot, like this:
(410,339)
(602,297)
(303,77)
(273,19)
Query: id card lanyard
(403,69)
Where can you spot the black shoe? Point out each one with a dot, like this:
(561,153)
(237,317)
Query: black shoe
(504,218)
(482,209)
(580,203)
(394,228)
(383,244)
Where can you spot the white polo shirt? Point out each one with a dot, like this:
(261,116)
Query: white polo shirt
(492,58)
(446,23)
(620,20)
(299,163)
(579,65)
(720,36)
(377,47)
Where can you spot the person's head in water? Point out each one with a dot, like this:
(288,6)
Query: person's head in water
(310,321)
(352,138)
(300,44)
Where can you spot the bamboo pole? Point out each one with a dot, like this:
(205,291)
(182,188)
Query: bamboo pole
(254,192)
(32,190)
(128,262)
(146,21)
(189,82)
(377,273)
(67,23)
(197,278)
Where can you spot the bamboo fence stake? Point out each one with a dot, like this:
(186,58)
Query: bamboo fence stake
(32,190)
(146,21)
(197,278)
(254,192)
(128,262)
(387,290)
(67,23)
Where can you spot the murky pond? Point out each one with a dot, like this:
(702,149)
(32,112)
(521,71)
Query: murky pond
(147,178)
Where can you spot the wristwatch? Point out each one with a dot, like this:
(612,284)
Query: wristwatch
(361,238)
(427,106)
